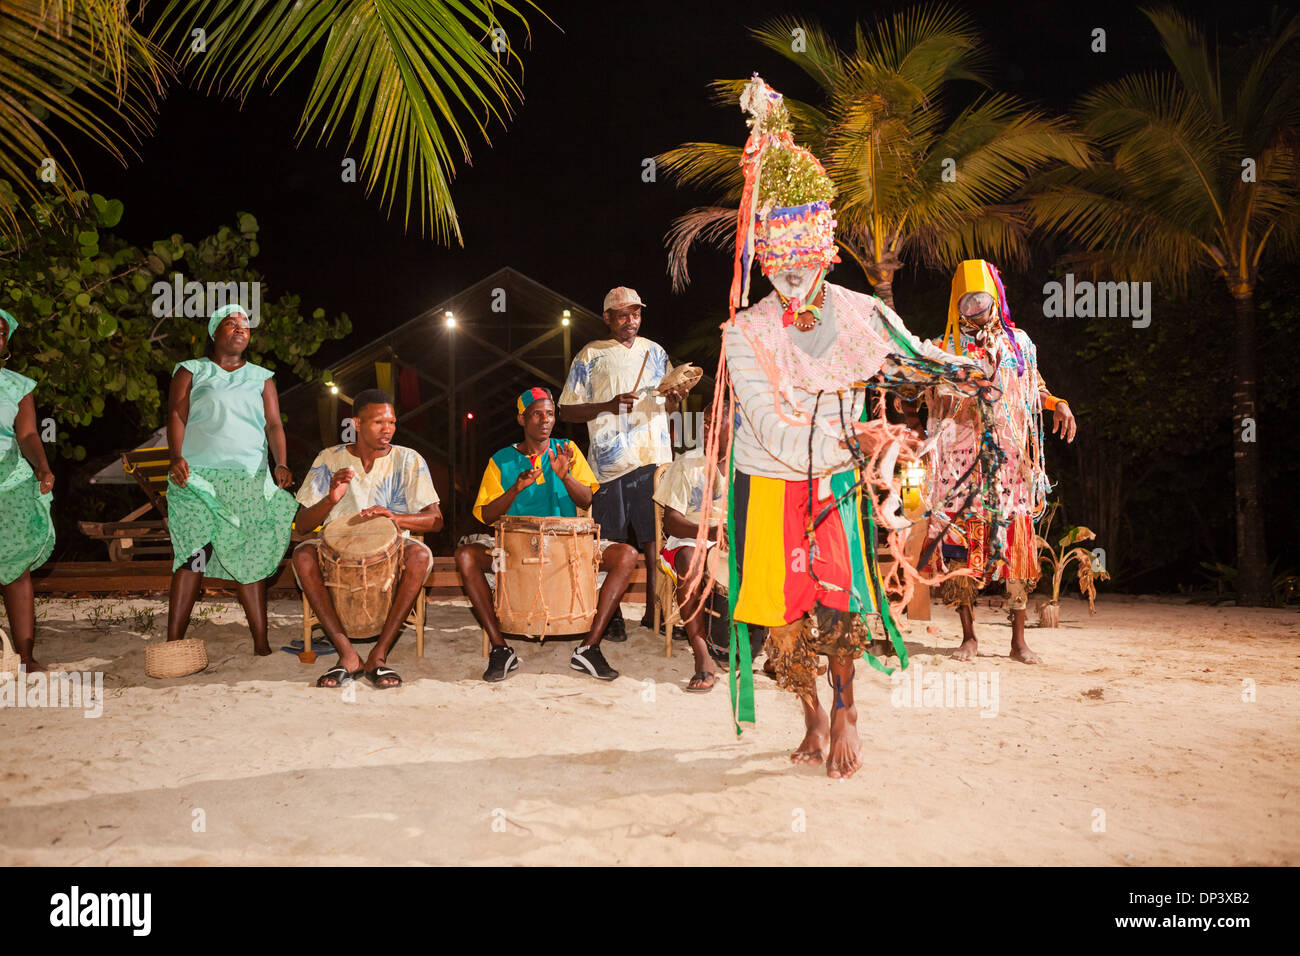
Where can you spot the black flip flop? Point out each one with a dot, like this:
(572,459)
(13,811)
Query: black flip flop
(379,673)
(339,674)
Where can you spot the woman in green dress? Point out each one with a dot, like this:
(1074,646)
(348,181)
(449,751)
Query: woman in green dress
(227,515)
(25,483)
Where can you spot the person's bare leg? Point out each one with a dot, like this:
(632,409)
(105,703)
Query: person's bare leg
(253,599)
(651,557)
(473,561)
(1020,651)
(812,749)
(845,755)
(785,641)
(969,646)
(618,562)
(415,570)
(181,596)
(20,605)
(694,620)
(307,564)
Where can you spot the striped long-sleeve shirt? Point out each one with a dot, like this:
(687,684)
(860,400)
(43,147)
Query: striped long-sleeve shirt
(857,334)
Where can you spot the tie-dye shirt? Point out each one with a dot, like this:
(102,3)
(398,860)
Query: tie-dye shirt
(399,481)
(620,444)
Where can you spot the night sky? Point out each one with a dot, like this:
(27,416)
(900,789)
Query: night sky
(559,194)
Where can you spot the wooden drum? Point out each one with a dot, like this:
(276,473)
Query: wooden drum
(360,559)
(546,574)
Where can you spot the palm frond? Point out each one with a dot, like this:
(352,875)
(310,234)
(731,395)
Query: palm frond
(713,166)
(80,66)
(404,79)
(712,224)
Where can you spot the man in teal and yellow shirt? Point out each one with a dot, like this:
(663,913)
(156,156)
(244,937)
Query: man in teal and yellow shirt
(539,477)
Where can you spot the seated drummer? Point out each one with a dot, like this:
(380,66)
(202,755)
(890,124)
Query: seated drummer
(371,478)
(681,492)
(540,477)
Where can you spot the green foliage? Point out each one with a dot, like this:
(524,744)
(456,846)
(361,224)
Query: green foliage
(88,334)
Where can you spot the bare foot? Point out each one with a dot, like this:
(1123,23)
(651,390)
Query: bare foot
(812,749)
(33,665)
(1021,652)
(845,756)
(967,651)
(262,648)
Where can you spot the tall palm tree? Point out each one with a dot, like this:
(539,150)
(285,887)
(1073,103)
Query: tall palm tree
(912,178)
(407,79)
(1199,174)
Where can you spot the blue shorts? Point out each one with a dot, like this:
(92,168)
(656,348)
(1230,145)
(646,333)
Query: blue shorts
(625,508)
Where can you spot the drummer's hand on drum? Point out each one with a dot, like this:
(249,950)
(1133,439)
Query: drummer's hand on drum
(560,463)
(376,511)
(179,471)
(673,399)
(339,484)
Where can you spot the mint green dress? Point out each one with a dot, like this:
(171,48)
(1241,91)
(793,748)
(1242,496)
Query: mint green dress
(26,529)
(230,500)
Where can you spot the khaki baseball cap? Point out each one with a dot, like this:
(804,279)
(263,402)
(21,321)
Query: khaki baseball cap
(621,298)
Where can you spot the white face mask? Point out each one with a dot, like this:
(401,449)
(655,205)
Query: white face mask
(794,283)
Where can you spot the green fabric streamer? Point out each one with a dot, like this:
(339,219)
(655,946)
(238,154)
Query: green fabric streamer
(740,680)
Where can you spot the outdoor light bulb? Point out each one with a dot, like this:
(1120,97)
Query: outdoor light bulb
(334,389)
(469,416)
(564,321)
(449,319)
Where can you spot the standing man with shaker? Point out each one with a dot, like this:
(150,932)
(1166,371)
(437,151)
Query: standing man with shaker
(611,387)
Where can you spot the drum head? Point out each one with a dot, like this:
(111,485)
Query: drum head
(357,537)
(548,525)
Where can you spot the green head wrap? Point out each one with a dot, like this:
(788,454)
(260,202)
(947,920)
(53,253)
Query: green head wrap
(223,312)
(10,321)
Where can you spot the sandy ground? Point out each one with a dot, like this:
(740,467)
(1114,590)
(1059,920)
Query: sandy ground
(1156,733)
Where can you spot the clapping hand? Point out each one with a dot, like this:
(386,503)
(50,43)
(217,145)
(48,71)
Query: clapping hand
(560,463)
(526,478)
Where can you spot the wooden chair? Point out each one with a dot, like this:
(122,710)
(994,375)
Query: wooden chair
(134,534)
(665,596)
(415,618)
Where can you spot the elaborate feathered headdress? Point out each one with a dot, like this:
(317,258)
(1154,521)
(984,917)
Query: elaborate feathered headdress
(785,215)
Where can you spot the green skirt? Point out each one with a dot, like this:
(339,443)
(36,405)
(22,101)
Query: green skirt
(245,517)
(25,524)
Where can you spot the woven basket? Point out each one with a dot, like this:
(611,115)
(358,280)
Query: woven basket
(9,659)
(175,658)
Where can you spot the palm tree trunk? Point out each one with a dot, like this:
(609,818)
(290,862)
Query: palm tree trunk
(1252,553)
(884,291)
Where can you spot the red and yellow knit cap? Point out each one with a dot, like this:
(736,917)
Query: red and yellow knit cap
(530,396)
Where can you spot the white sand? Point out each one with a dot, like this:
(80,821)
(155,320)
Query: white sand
(1138,713)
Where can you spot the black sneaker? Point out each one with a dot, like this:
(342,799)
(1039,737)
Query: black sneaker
(502,662)
(591,661)
(616,630)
